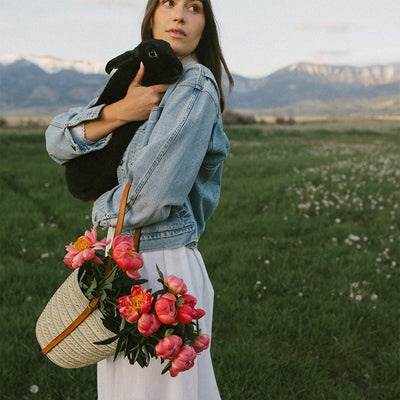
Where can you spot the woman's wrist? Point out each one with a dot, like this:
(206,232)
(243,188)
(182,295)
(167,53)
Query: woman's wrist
(104,124)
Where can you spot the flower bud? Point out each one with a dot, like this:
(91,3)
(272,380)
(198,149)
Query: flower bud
(201,343)
(148,324)
(165,309)
(183,361)
(177,285)
(169,347)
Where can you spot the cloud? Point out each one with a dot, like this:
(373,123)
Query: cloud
(326,26)
(332,53)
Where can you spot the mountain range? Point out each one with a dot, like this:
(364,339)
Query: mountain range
(46,86)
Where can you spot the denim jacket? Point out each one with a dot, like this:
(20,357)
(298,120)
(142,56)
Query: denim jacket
(174,163)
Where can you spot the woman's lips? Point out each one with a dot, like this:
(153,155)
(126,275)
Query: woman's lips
(177,33)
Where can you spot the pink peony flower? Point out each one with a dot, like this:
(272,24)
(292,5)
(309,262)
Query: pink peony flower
(148,324)
(189,300)
(169,347)
(139,301)
(84,249)
(186,312)
(125,256)
(183,361)
(166,310)
(177,285)
(201,343)
(200,313)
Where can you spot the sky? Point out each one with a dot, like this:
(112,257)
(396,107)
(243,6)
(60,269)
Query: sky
(258,37)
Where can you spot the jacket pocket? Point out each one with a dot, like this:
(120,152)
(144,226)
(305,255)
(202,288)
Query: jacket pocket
(154,116)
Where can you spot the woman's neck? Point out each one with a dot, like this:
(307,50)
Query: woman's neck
(189,59)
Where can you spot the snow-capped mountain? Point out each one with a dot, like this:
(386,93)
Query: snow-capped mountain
(53,65)
(304,87)
(369,75)
(47,85)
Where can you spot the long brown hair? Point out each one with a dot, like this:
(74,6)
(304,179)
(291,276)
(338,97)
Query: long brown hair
(208,51)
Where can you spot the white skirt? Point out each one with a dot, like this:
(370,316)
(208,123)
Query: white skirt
(118,380)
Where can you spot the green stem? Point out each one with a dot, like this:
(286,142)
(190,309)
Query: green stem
(107,276)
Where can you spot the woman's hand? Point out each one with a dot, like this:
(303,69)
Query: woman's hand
(135,106)
(139,100)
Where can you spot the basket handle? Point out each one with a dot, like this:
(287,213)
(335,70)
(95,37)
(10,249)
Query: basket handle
(120,222)
(93,304)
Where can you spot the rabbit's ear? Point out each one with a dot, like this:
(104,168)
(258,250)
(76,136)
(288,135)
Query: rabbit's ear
(116,62)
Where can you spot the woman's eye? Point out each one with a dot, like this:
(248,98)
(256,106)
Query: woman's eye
(195,8)
(168,3)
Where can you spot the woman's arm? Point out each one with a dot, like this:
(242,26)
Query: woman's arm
(100,120)
(135,106)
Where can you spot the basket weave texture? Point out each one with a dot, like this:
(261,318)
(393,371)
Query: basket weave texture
(77,349)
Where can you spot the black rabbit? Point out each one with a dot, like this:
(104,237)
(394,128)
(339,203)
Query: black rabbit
(90,175)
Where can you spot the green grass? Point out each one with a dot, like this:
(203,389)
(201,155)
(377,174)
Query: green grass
(303,253)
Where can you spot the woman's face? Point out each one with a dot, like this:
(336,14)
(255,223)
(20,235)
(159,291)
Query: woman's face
(180,23)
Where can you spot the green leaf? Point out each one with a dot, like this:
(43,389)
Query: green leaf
(120,344)
(166,368)
(160,274)
(169,332)
(89,292)
(107,341)
(136,354)
(146,353)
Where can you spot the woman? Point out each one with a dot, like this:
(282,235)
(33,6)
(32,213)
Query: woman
(174,164)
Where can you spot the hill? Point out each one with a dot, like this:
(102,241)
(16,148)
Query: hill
(45,85)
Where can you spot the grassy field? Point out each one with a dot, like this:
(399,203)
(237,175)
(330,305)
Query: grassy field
(303,252)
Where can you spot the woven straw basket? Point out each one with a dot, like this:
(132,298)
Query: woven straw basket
(77,349)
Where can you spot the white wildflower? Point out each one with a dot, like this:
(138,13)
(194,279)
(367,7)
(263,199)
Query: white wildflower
(374,297)
(34,389)
(354,238)
(358,297)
